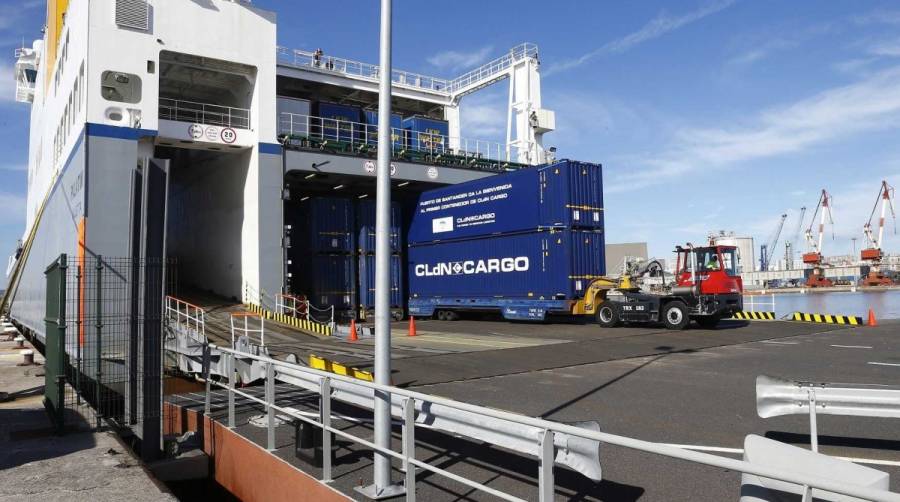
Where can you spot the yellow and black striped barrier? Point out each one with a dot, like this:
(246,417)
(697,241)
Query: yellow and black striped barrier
(320,363)
(850,320)
(754,316)
(305,324)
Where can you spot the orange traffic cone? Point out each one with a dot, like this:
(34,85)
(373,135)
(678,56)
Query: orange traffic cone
(872,321)
(353,336)
(412,326)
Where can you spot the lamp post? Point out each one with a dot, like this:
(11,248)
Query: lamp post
(381,486)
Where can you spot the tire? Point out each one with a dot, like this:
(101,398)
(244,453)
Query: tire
(708,322)
(452,316)
(442,315)
(675,316)
(607,315)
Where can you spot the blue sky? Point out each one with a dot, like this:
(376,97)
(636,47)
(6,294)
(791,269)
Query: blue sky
(706,114)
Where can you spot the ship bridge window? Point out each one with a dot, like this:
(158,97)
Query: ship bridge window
(121,87)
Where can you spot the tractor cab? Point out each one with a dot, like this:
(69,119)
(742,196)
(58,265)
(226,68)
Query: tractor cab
(713,268)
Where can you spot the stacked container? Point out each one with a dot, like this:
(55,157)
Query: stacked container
(426,134)
(338,122)
(365,241)
(371,118)
(531,238)
(322,257)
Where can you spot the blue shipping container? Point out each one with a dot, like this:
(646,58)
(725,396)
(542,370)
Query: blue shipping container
(371,119)
(332,281)
(426,134)
(365,226)
(325,225)
(544,265)
(367,282)
(564,194)
(338,122)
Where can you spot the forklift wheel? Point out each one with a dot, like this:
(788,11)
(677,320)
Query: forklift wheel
(675,316)
(608,315)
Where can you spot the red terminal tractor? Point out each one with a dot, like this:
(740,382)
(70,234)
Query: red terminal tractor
(707,288)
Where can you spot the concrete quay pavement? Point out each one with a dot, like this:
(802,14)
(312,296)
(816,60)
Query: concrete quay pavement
(38,465)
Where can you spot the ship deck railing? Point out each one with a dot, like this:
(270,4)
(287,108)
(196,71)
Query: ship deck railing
(308,132)
(357,69)
(204,113)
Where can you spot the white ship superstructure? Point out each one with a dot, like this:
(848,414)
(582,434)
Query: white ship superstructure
(202,93)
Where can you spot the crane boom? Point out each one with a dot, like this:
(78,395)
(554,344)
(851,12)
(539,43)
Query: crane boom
(769,248)
(885,196)
(790,243)
(815,245)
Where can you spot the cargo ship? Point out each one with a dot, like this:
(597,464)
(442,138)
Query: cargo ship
(246,167)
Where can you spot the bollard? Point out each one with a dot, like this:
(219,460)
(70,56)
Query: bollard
(27,357)
(20,342)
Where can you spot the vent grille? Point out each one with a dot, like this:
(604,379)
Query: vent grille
(133,14)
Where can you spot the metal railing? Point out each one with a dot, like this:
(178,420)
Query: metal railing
(775,397)
(357,69)
(204,113)
(483,75)
(241,326)
(414,401)
(259,297)
(187,315)
(753,302)
(477,78)
(301,308)
(361,138)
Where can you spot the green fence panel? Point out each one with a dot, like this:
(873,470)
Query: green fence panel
(55,343)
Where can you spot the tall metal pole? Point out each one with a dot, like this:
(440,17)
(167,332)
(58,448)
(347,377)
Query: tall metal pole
(381,486)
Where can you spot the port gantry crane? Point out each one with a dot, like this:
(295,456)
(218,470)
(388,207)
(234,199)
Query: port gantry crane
(873,253)
(814,257)
(790,243)
(767,250)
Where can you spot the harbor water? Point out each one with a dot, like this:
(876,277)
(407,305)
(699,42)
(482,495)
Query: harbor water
(886,304)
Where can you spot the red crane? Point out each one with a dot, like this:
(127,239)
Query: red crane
(873,253)
(814,258)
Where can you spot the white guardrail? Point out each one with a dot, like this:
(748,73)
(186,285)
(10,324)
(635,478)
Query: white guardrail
(754,303)
(319,61)
(776,396)
(551,442)
(180,313)
(204,113)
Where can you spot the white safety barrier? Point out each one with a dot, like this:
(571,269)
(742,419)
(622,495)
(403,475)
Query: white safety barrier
(540,436)
(776,396)
(242,327)
(763,451)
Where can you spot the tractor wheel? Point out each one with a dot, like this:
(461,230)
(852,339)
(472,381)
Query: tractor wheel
(608,315)
(675,316)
